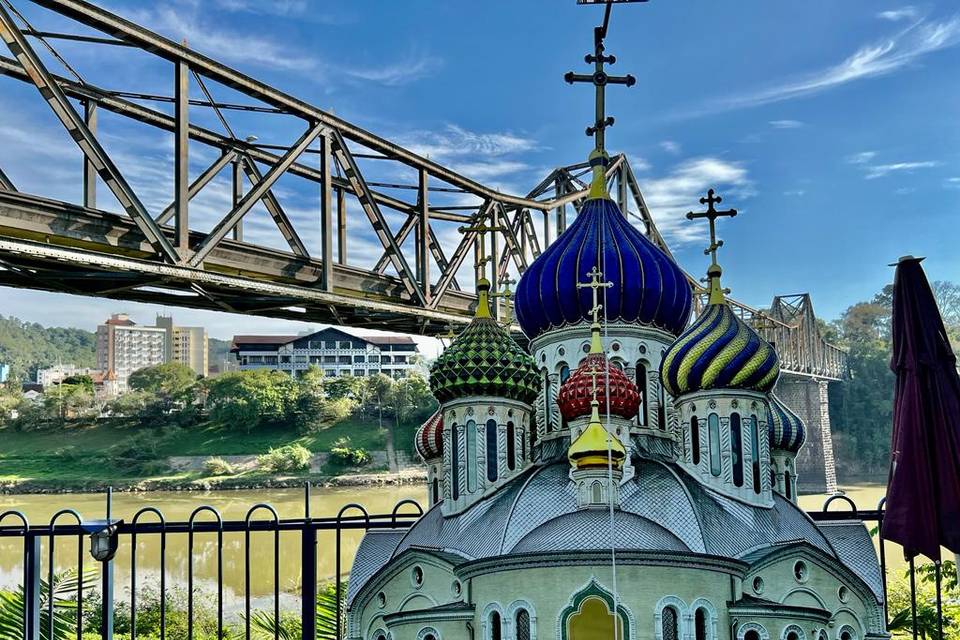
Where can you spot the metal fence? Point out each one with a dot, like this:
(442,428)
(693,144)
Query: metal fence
(104,537)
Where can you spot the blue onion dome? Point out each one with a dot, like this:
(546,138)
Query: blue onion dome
(648,286)
(719,351)
(484,360)
(787,431)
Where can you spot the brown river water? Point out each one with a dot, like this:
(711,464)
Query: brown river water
(177,507)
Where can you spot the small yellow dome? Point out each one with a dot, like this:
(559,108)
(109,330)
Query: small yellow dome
(590,449)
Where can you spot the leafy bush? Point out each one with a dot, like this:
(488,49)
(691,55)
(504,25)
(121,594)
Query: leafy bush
(343,455)
(251,398)
(291,457)
(217,466)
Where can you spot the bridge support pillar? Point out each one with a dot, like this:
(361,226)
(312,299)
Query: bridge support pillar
(809,399)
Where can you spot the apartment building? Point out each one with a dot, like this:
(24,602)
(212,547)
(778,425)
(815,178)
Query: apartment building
(336,352)
(186,345)
(123,347)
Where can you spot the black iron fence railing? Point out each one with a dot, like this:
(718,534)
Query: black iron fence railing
(102,538)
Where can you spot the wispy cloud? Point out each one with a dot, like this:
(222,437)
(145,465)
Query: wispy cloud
(454,141)
(886,56)
(785,124)
(670,197)
(670,146)
(881,170)
(410,69)
(908,12)
(862,158)
(953,183)
(223,44)
(873,170)
(794,193)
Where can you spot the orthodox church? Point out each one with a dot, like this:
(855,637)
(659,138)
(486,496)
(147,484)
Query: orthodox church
(630,477)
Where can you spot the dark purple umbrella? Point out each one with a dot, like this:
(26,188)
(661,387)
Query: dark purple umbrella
(923,493)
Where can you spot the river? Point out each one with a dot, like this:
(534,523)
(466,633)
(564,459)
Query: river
(177,506)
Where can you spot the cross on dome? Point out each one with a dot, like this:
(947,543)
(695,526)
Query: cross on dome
(595,284)
(711,214)
(507,296)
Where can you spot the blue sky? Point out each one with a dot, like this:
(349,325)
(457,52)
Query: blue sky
(831,126)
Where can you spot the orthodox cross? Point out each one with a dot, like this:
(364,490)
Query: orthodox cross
(449,335)
(595,372)
(712,214)
(600,80)
(507,296)
(596,284)
(482,229)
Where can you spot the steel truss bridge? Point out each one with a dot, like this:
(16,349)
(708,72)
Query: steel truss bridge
(158,254)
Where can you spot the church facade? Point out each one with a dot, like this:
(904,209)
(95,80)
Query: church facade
(632,476)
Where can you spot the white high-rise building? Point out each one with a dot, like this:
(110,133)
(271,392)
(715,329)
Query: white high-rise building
(123,347)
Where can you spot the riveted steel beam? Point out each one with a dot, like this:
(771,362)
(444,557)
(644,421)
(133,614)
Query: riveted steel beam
(197,185)
(255,194)
(276,212)
(57,101)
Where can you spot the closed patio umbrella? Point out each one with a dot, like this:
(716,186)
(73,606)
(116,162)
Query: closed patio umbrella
(923,491)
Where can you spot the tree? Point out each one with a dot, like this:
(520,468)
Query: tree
(251,398)
(169,383)
(378,388)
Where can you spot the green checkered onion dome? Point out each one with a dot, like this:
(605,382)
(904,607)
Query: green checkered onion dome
(484,361)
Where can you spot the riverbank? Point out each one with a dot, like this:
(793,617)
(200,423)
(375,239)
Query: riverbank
(406,477)
(127,457)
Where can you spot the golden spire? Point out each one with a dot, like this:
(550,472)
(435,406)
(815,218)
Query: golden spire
(598,185)
(507,296)
(483,285)
(714,271)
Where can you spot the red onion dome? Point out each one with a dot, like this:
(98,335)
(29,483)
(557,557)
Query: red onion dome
(577,392)
(429,440)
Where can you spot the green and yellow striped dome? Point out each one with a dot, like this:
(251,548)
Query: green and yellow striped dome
(719,351)
(484,361)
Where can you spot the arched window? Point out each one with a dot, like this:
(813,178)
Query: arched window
(642,386)
(492,470)
(511,447)
(788,485)
(564,373)
(522,621)
(436,490)
(471,456)
(596,492)
(755,452)
(751,634)
(496,626)
(593,620)
(736,449)
(700,624)
(455,461)
(523,445)
(713,426)
(695,439)
(670,624)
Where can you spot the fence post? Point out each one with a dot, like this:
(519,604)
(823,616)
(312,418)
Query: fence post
(308,581)
(31,585)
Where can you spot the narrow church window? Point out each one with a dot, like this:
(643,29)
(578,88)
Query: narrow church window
(523,624)
(695,439)
(713,425)
(755,452)
(736,449)
(455,462)
(700,624)
(471,456)
(546,409)
(787,485)
(661,408)
(511,447)
(492,470)
(597,493)
(496,627)
(523,445)
(669,621)
(436,491)
(642,386)
(564,373)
